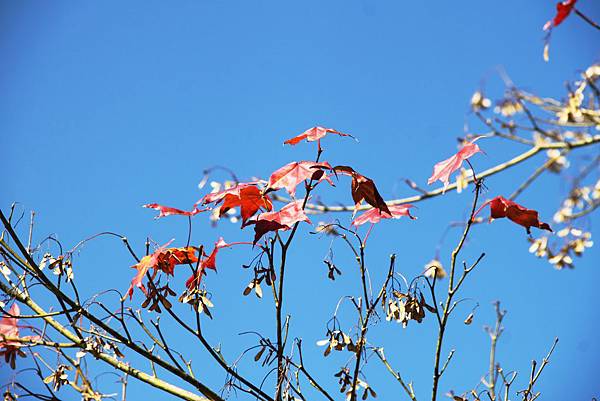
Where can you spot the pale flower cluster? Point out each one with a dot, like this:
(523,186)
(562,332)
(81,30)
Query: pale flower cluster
(579,200)
(508,107)
(480,102)
(575,242)
(559,161)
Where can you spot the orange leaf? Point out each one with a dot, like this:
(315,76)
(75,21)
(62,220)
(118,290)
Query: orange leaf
(163,259)
(246,196)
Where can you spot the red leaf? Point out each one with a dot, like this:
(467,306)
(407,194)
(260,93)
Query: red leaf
(292,174)
(9,349)
(250,200)
(314,134)
(246,196)
(163,259)
(563,9)
(8,324)
(168,211)
(443,169)
(215,197)
(501,207)
(209,262)
(284,219)
(363,188)
(374,216)
(8,328)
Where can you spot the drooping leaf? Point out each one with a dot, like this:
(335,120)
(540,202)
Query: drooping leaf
(8,324)
(443,169)
(168,211)
(208,262)
(284,219)
(314,134)
(363,188)
(292,174)
(501,207)
(9,328)
(563,9)
(374,216)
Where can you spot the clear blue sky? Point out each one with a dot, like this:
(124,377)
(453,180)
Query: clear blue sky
(108,105)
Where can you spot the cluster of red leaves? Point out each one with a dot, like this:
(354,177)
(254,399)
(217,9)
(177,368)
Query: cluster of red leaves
(374,215)
(9,328)
(284,219)
(563,9)
(314,134)
(163,259)
(251,199)
(501,207)
(247,196)
(443,169)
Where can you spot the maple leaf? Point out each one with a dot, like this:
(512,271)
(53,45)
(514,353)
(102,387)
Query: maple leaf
(292,174)
(443,169)
(284,219)
(563,9)
(209,262)
(363,188)
(168,211)
(8,324)
(215,197)
(374,216)
(163,259)
(9,328)
(247,196)
(314,134)
(501,207)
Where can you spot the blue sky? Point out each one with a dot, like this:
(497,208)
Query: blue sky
(107,106)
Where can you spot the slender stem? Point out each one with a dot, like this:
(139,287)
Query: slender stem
(536,375)
(310,378)
(370,308)
(451,291)
(586,18)
(32,341)
(279,295)
(407,389)
(537,172)
(494,336)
